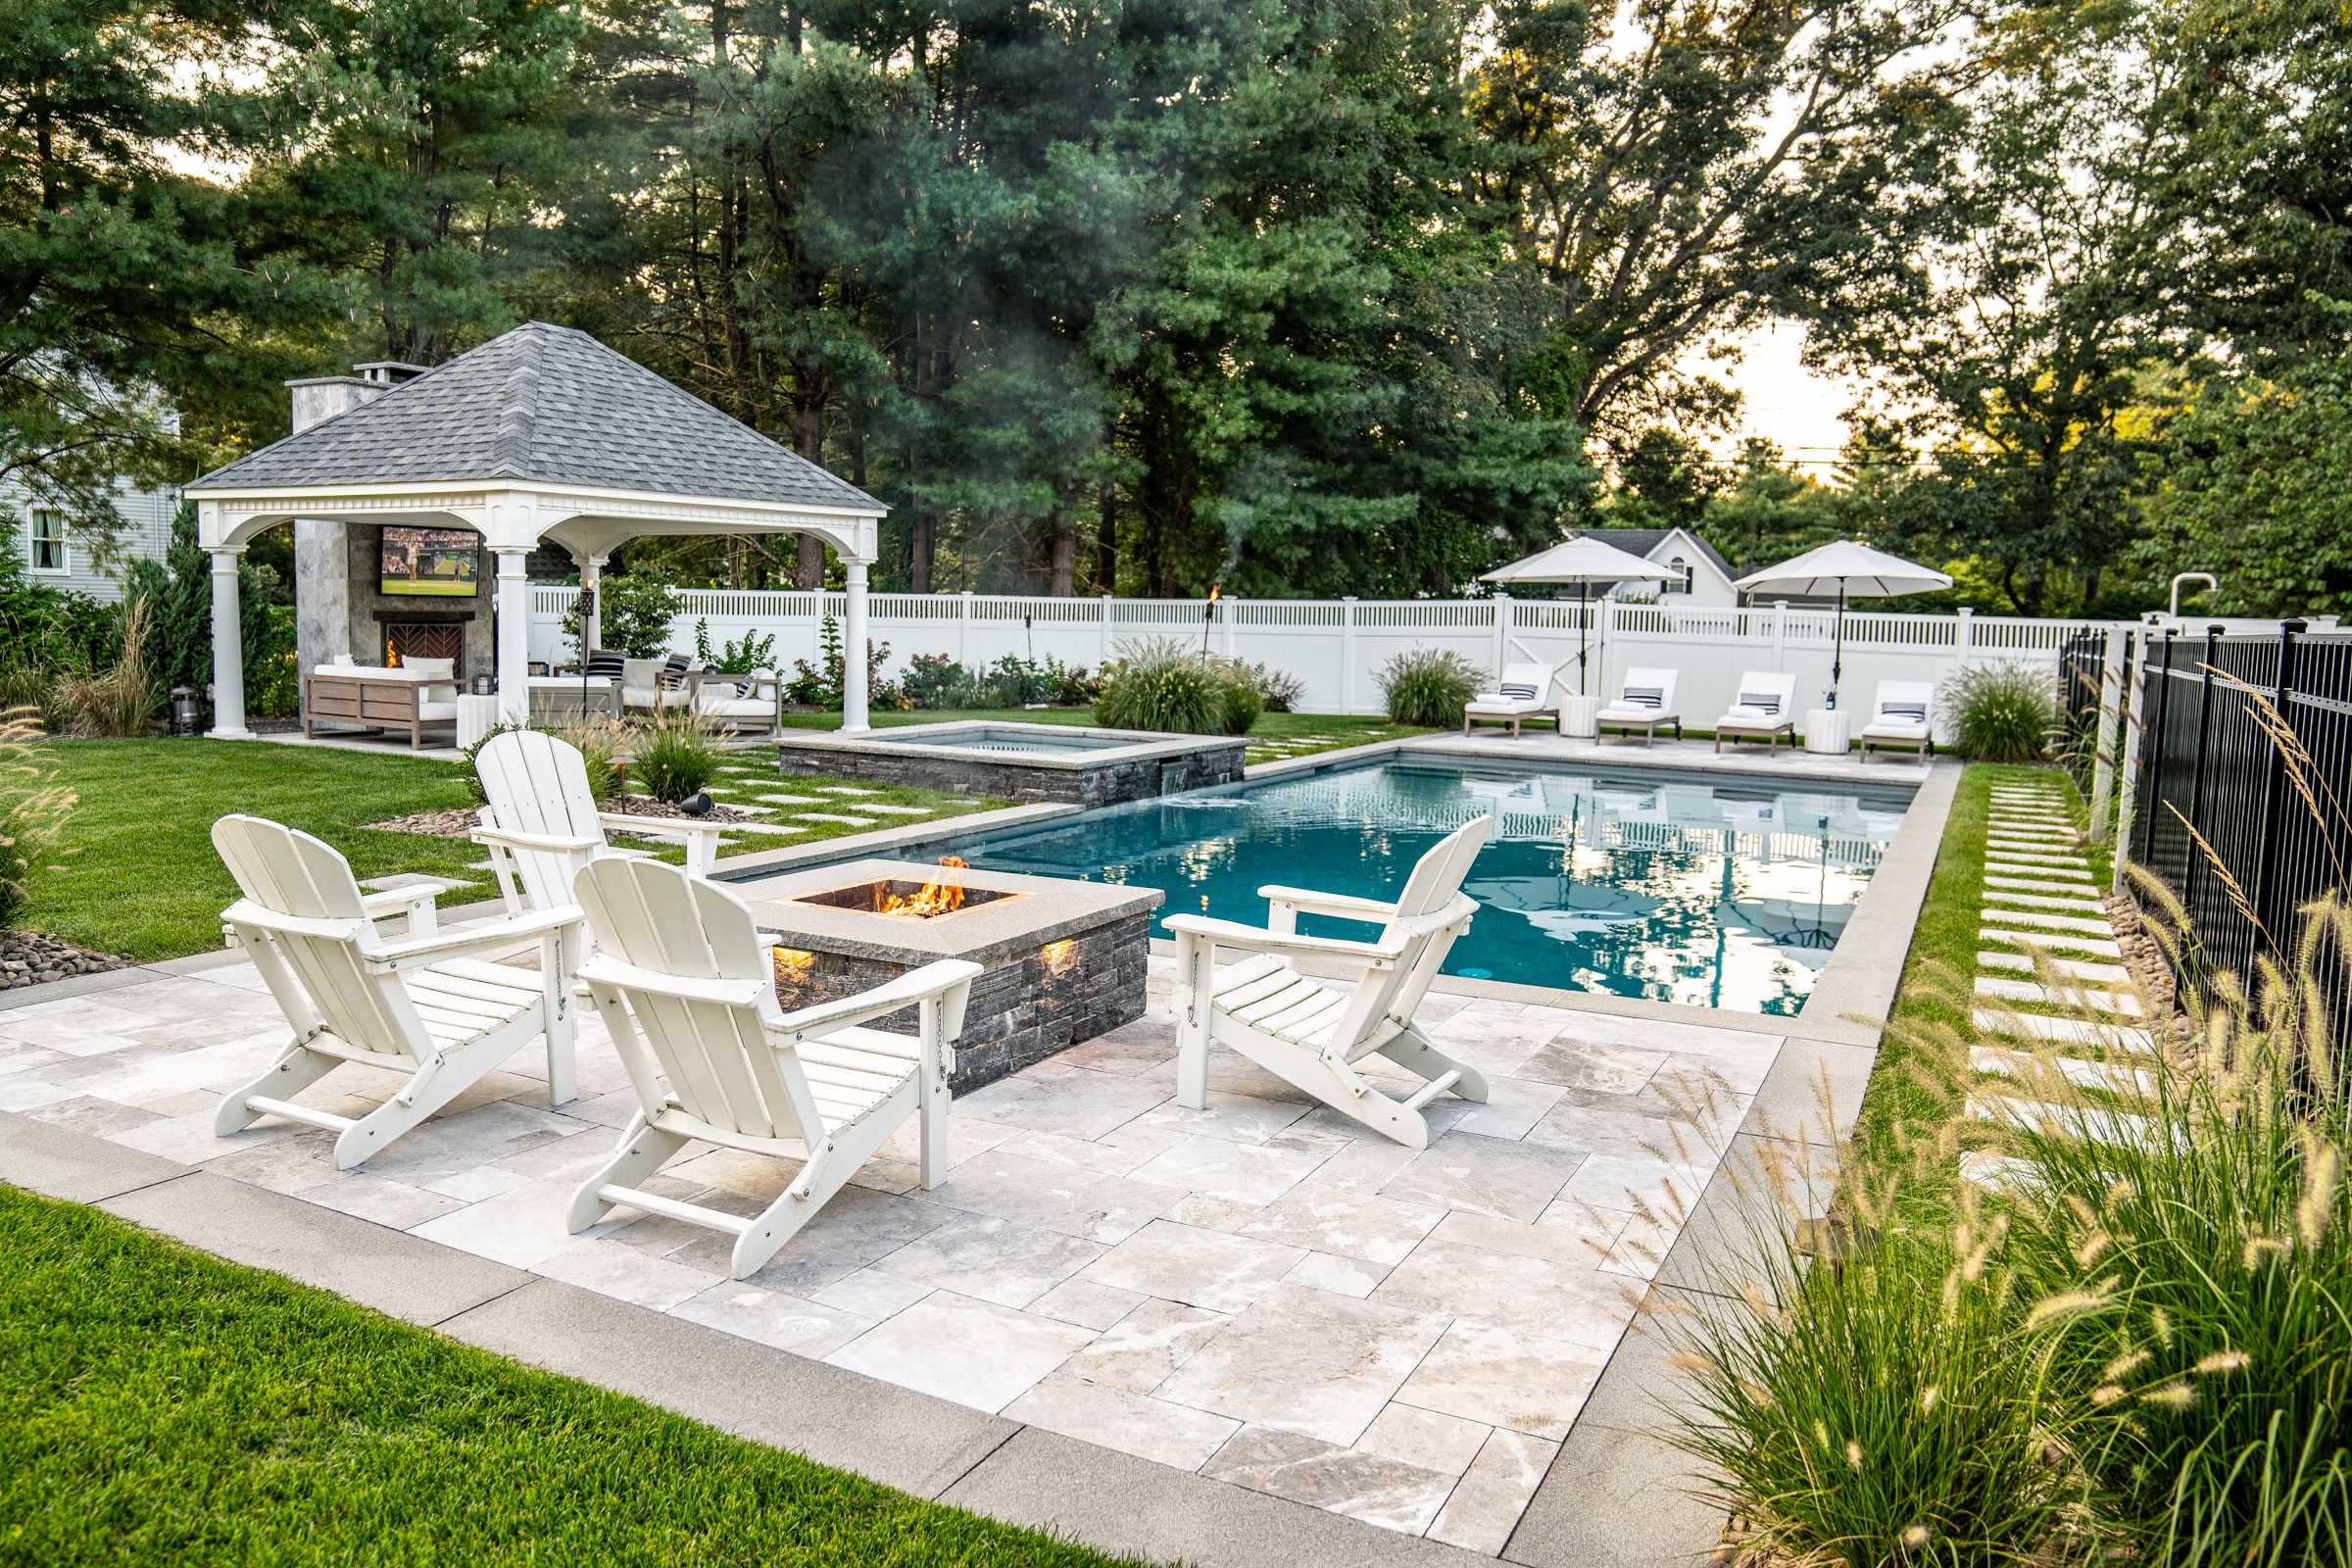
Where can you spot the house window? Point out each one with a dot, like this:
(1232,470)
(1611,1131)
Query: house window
(48,542)
(1680,582)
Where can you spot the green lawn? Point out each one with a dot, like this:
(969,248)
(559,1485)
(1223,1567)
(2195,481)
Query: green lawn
(159,1406)
(1273,736)
(1943,946)
(141,878)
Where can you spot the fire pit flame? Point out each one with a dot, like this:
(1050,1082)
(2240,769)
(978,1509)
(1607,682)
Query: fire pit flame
(934,898)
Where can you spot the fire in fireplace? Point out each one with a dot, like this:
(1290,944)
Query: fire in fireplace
(403,642)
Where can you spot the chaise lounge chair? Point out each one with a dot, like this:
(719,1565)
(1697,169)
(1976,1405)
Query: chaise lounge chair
(1763,712)
(420,1006)
(1523,693)
(681,960)
(1311,1034)
(1903,716)
(1644,702)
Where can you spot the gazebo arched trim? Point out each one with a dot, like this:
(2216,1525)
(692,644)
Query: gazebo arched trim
(587,522)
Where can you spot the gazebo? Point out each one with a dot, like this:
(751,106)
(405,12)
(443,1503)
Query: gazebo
(541,435)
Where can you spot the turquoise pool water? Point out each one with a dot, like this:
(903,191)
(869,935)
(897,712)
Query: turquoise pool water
(1714,892)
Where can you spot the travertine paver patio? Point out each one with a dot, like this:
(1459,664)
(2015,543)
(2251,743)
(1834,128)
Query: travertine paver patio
(1260,1292)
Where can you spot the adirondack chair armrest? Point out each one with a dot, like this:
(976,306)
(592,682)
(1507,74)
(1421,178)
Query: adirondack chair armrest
(396,901)
(247,912)
(605,970)
(1340,906)
(1257,939)
(470,938)
(915,985)
(545,842)
(655,826)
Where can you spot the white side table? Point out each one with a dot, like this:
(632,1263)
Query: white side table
(1579,716)
(477,717)
(1825,731)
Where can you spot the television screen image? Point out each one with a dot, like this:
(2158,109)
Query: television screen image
(433,562)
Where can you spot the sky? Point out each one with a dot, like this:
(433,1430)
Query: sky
(1796,409)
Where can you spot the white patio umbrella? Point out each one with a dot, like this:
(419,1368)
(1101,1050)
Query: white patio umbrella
(1583,561)
(1845,567)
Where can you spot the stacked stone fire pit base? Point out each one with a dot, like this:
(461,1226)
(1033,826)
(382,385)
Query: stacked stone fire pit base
(1062,962)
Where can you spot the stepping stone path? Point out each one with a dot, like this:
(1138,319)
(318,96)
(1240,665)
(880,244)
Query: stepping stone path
(2038,890)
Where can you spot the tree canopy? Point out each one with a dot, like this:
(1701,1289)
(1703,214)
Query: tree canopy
(1321,297)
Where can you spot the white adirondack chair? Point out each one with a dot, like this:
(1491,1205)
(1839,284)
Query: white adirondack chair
(1311,1034)
(419,1007)
(542,825)
(681,960)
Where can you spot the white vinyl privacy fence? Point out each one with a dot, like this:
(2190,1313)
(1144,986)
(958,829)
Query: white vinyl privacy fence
(1337,645)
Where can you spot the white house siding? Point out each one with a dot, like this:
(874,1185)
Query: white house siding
(147,532)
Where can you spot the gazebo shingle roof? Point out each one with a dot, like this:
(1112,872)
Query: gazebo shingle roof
(548,405)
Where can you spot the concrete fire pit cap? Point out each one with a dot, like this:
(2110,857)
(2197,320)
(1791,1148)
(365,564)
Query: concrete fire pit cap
(1048,910)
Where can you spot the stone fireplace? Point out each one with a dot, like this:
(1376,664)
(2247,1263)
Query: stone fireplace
(1062,962)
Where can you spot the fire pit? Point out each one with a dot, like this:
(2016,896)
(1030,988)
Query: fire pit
(1062,962)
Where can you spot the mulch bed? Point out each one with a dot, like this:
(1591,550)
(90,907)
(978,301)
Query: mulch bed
(458,821)
(28,958)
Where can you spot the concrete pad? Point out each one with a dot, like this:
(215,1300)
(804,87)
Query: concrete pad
(2087,908)
(386,1269)
(833,1416)
(59,1162)
(1116,1502)
(2065,1031)
(2023,881)
(2055,941)
(2100,927)
(2027,991)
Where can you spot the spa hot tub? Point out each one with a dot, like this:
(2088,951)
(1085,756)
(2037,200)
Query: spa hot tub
(1086,767)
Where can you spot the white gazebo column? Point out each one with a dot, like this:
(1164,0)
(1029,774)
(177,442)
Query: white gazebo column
(853,649)
(229,650)
(513,638)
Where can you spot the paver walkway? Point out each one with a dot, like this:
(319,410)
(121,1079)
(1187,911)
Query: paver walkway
(2038,891)
(1260,1292)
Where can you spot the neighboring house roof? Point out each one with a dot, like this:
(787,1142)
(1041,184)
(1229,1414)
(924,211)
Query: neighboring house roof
(546,405)
(1642,541)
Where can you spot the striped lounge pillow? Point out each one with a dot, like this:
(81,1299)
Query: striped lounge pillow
(1904,712)
(1518,691)
(1761,701)
(606,663)
(1642,697)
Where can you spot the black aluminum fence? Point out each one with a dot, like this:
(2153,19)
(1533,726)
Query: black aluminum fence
(2247,830)
(2081,659)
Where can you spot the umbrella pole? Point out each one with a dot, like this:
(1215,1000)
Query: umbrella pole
(1838,649)
(1583,632)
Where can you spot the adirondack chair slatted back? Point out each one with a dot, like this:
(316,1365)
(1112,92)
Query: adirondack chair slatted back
(1436,878)
(317,978)
(1448,866)
(535,783)
(719,1061)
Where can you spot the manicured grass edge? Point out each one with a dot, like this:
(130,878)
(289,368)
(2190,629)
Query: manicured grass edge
(165,1406)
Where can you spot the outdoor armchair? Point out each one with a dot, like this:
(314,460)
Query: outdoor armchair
(1311,1034)
(685,982)
(419,1007)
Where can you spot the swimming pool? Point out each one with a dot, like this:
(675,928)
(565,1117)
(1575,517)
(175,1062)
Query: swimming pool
(1715,892)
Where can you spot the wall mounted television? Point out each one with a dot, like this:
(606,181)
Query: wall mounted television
(431,562)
